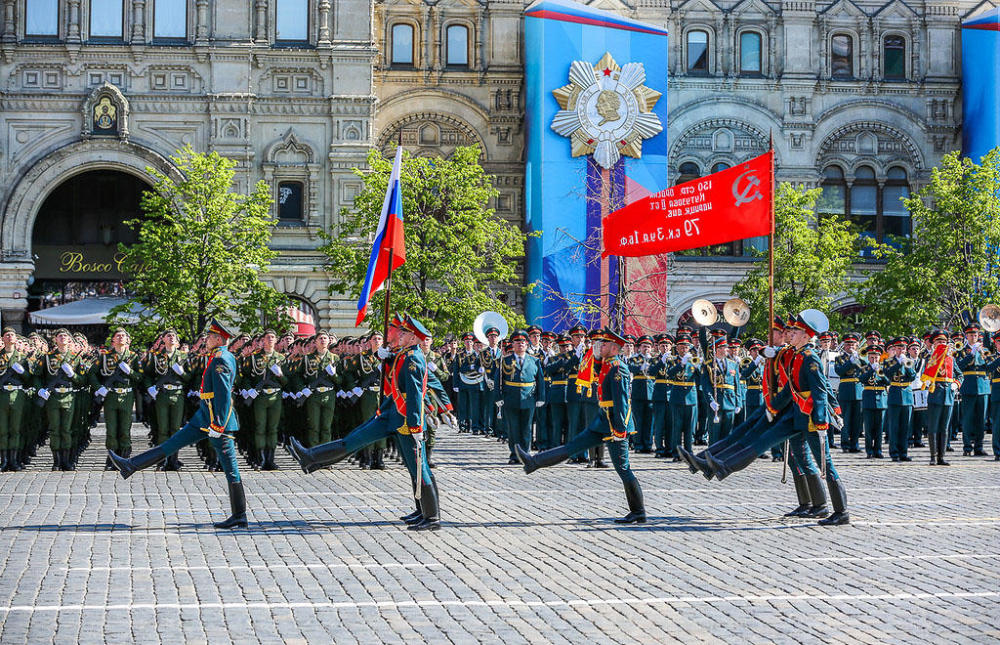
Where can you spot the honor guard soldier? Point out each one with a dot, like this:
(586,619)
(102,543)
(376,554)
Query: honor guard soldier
(215,418)
(900,373)
(15,380)
(848,367)
(874,401)
(468,378)
(719,380)
(265,380)
(975,392)
(522,390)
(56,376)
(614,425)
(643,380)
(318,377)
(166,376)
(940,377)
(113,378)
(683,378)
(661,396)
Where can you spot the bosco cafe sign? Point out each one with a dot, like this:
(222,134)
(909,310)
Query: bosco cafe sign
(88,262)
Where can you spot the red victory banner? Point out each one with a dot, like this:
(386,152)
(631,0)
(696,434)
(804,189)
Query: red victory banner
(729,205)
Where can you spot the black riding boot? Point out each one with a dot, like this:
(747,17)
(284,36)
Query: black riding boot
(56,460)
(378,461)
(270,465)
(68,461)
(312,459)
(818,495)
(636,508)
(4,461)
(696,464)
(542,459)
(736,461)
(838,495)
(238,505)
(14,460)
(428,510)
(802,493)
(127,466)
(942,443)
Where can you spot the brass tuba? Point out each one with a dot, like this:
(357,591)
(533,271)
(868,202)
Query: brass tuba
(486,320)
(989,318)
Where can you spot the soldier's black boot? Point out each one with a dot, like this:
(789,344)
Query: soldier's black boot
(428,450)
(735,461)
(378,459)
(942,444)
(818,496)
(312,459)
(107,464)
(802,493)
(68,461)
(542,459)
(127,466)
(428,510)
(238,505)
(838,496)
(56,460)
(4,461)
(271,464)
(416,516)
(17,459)
(636,508)
(695,463)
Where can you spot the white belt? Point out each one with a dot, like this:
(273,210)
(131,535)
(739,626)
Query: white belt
(324,389)
(173,387)
(11,388)
(121,390)
(271,390)
(471,380)
(62,390)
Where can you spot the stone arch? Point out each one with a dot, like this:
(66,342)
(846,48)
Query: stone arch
(45,174)
(454,114)
(891,145)
(452,132)
(699,142)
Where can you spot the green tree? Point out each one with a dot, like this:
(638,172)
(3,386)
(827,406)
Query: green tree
(949,265)
(812,258)
(201,251)
(459,254)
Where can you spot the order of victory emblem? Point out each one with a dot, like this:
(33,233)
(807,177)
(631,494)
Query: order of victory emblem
(606,110)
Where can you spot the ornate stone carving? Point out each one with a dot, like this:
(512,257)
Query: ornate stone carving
(105,113)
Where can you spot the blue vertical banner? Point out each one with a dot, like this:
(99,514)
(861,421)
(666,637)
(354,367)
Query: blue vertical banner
(981,84)
(596,116)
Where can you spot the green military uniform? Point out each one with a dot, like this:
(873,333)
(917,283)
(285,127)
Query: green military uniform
(56,377)
(15,379)
(265,378)
(165,377)
(319,379)
(113,378)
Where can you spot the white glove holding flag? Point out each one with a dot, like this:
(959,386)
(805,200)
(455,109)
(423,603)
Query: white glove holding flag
(101,391)
(67,370)
(276,369)
(17,368)
(178,370)
(44,394)
(383,353)
(123,366)
(152,391)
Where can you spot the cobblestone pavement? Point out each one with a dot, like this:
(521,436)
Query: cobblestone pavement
(88,558)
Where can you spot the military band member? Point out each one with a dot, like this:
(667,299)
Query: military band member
(468,378)
(613,425)
(900,374)
(490,361)
(643,381)
(662,421)
(993,370)
(556,369)
(874,402)
(718,381)
(15,381)
(975,392)
(113,378)
(522,390)
(848,367)
(684,379)
(941,376)
(215,417)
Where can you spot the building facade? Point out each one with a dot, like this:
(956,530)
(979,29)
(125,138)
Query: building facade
(92,92)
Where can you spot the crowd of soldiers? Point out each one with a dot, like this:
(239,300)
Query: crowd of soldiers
(533,390)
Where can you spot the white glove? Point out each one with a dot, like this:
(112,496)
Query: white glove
(645,366)
(759,360)
(357,391)
(17,368)
(452,419)
(769,352)
(67,370)
(539,404)
(490,384)
(383,353)
(276,369)
(954,387)
(770,417)
(482,370)
(432,365)
(306,391)
(738,410)
(123,366)
(44,394)
(714,406)
(152,391)
(178,369)
(285,395)
(686,359)
(101,391)
(331,370)
(214,434)
(454,389)
(500,404)
(899,359)
(252,393)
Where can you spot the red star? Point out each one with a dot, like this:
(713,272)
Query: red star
(607,72)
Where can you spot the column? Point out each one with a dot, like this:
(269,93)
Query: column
(138,22)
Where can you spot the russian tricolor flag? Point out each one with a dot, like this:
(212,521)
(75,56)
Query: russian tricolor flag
(389,248)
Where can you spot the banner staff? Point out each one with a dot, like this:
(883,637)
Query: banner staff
(388,289)
(770,254)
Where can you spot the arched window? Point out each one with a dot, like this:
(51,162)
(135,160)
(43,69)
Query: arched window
(750,54)
(894,58)
(697,52)
(719,167)
(457,54)
(688,171)
(864,202)
(402,45)
(41,18)
(833,201)
(106,19)
(842,57)
(895,217)
(292,21)
(170,19)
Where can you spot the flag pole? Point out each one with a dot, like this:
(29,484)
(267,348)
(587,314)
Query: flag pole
(770,254)
(388,288)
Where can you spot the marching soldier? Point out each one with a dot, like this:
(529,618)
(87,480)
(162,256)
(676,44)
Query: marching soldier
(367,388)
(15,379)
(56,376)
(113,379)
(523,390)
(900,374)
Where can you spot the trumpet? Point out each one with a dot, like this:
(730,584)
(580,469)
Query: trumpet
(746,360)
(908,362)
(696,361)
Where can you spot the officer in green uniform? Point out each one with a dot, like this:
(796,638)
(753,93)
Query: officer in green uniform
(320,385)
(265,379)
(15,379)
(522,390)
(900,373)
(113,379)
(613,425)
(56,378)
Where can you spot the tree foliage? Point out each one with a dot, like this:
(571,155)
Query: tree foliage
(949,265)
(459,254)
(812,259)
(201,251)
